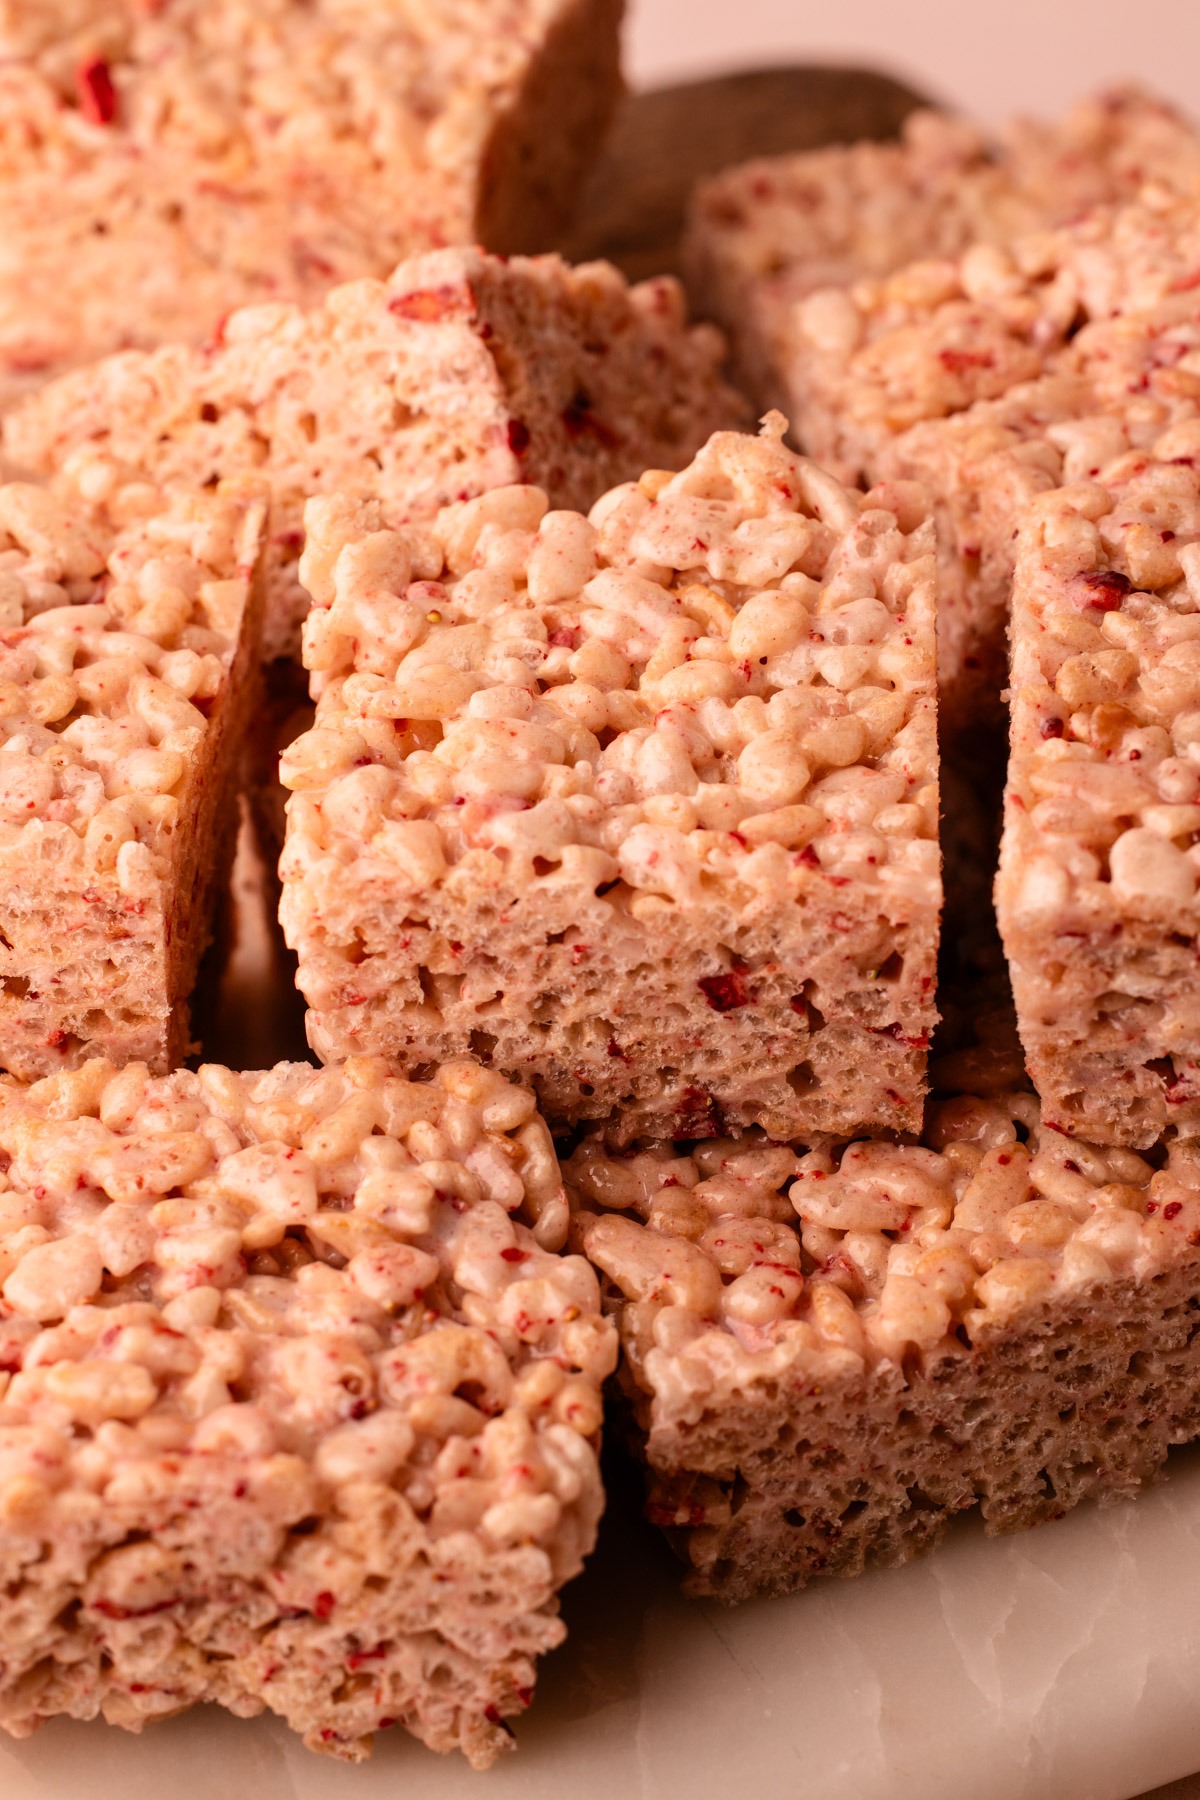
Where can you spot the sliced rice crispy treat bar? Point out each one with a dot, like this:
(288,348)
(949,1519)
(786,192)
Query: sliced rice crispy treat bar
(1097,892)
(160,164)
(300,1405)
(460,373)
(928,373)
(129,636)
(927,342)
(642,807)
(827,1353)
(1119,385)
(765,235)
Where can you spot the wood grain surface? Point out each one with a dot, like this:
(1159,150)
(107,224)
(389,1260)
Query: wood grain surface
(632,208)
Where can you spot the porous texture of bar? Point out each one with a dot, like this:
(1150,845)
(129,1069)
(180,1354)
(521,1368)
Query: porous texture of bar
(828,1353)
(1118,385)
(460,373)
(642,807)
(765,235)
(300,1404)
(128,665)
(1097,891)
(162,164)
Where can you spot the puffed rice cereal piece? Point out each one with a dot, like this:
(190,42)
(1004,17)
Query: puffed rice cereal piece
(300,1402)
(163,163)
(641,806)
(129,640)
(827,1352)
(459,373)
(1097,892)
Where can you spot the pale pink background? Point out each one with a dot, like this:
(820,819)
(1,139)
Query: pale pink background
(1019,55)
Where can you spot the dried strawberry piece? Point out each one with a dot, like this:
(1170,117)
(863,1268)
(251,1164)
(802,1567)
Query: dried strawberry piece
(1104,589)
(957,362)
(428,305)
(726,992)
(97,95)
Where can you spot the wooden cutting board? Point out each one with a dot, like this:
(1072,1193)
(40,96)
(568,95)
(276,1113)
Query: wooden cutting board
(664,141)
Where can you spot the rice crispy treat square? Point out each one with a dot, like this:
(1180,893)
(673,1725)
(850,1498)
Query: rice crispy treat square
(129,638)
(164,163)
(875,359)
(926,374)
(827,1352)
(641,807)
(1119,385)
(1096,894)
(300,1404)
(459,373)
(767,234)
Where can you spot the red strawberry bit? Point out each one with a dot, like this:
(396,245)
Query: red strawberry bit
(725,993)
(1104,590)
(109,1609)
(957,362)
(97,95)
(324,1604)
(513,1255)
(915,1041)
(518,436)
(428,305)
(699,1115)
(1052,728)
(1173,1210)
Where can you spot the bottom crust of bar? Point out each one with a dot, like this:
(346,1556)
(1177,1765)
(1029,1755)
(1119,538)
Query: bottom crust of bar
(1110,1022)
(1081,1401)
(442,1638)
